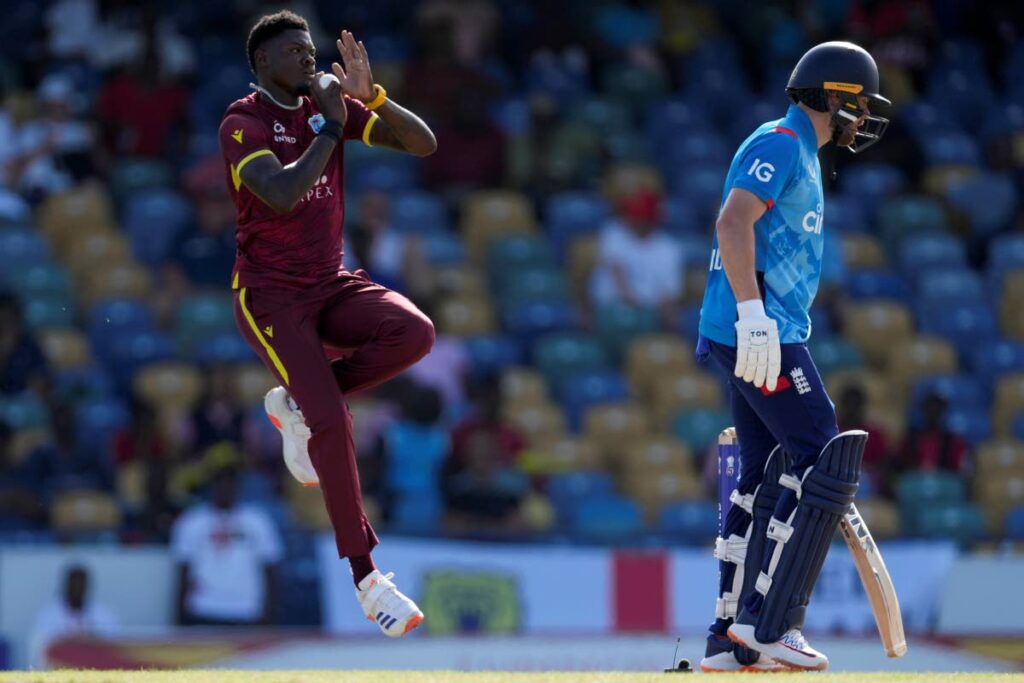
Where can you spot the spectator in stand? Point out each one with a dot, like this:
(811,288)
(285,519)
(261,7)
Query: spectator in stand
(22,363)
(444,368)
(226,554)
(220,415)
(392,258)
(483,485)
(67,463)
(638,264)
(932,446)
(144,112)
(470,148)
(20,504)
(73,615)
(851,413)
(142,440)
(205,254)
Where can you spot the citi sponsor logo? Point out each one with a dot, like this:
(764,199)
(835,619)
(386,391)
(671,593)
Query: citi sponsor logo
(762,170)
(812,221)
(279,134)
(320,190)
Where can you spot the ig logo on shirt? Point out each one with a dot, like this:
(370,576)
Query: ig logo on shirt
(761,170)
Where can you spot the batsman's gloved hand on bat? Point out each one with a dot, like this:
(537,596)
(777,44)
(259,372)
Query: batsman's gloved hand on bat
(758,354)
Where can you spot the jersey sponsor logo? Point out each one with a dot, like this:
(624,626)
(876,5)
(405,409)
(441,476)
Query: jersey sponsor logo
(762,170)
(237,135)
(716,260)
(812,221)
(320,190)
(280,136)
(803,386)
(269,331)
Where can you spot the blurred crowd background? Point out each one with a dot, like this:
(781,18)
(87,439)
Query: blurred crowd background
(559,238)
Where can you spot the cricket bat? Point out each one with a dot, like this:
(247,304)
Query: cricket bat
(877,583)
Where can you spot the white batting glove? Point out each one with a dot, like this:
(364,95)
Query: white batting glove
(758,354)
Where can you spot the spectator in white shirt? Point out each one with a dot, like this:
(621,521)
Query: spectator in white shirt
(638,263)
(72,615)
(227,554)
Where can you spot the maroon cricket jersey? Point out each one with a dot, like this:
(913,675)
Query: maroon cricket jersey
(304,246)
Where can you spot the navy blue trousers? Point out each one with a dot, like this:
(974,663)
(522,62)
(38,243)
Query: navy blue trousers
(799,414)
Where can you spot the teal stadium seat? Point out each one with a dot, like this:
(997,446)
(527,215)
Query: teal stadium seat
(961,522)
(24,411)
(618,325)
(532,283)
(918,493)
(560,355)
(699,427)
(203,316)
(832,354)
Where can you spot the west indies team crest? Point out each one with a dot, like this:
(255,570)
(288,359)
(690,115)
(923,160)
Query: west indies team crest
(316,122)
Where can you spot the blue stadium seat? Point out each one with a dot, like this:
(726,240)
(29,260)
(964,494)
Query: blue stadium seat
(201,316)
(1015,524)
(600,112)
(384,173)
(23,411)
(111,319)
(699,427)
(903,216)
(922,117)
(44,280)
(690,521)
(527,319)
(875,283)
(97,420)
(973,424)
(567,490)
(870,182)
(530,284)
(607,519)
(83,383)
(962,391)
(994,358)
(951,286)
(832,354)
(1005,253)
(568,215)
(989,200)
(702,190)
(961,522)
(23,246)
(224,347)
(673,118)
(418,212)
(443,249)
(845,213)
(133,350)
(925,252)
(154,220)
(545,73)
(561,354)
(580,391)
(962,324)
(951,147)
(490,354)
(679,220)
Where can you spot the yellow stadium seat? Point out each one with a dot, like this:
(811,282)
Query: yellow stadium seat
(656,455)
(874,327)
(696,280)
(564,454)
(913,358)
(885,401)
(24,441)
(84,512)
(170,388)
(464,316)
(128,281)
(615,426)
(523,386)
(88,253)
(541,422)
(999,457)
(131,484)
(307,505)
(692,389)
(584,253)
(863,251)
(489,213)
(937,179)
(625,179)
(461,281)
(252,382)
(65,348)
(652,357)
(84,208)
(1009,402)
(653,493)
(997,496)
(881,516)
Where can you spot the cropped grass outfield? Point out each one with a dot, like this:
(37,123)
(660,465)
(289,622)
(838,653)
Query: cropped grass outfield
(486,677)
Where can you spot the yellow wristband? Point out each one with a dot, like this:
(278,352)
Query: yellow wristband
(381,98)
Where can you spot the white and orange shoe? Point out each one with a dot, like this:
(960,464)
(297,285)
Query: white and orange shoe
(284,414)
(384,604)
(791,650)
(725,662)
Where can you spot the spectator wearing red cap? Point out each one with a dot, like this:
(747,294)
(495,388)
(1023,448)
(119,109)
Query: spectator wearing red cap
(638,263)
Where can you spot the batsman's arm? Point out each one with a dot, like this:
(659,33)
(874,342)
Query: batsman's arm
(736,243)
(402,130)
(281,187)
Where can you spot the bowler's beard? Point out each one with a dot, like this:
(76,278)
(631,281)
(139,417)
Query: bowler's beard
(302,89)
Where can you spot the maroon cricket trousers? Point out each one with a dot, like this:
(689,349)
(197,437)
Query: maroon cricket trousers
(293,331)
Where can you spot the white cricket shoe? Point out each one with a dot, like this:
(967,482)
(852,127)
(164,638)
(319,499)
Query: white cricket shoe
(284,414)
(725,662)
(383,603)
(791,650)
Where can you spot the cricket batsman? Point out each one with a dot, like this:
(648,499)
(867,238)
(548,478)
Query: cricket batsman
(324,332)
(798,474)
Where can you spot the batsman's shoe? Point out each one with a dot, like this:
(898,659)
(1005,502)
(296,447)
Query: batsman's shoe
(725,662)
(284,414)
(791,650)
(383,603)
